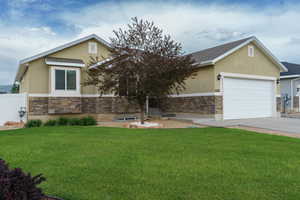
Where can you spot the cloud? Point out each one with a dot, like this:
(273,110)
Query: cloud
(17,43)
(195,25)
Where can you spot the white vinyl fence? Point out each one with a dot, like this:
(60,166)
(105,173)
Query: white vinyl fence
(10,105)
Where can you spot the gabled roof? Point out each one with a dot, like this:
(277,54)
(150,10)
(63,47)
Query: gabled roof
(214,52)
(212,55)
(59,48)
(23,63)
(293,70)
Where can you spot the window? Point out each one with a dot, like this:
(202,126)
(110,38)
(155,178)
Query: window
(60,79)
(251,51)
(71,80)
(93,48)
(65,79)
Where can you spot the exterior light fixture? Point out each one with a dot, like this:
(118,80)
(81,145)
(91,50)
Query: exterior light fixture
(278,81)
(22,113)
(219,77)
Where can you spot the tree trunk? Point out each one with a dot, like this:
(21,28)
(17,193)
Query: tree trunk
(142,110)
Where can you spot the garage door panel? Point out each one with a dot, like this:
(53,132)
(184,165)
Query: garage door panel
(246,98)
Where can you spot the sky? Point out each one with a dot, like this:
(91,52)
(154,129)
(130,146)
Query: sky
(28,27)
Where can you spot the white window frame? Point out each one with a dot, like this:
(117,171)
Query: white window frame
(93,48)
(250,50)
(65,92)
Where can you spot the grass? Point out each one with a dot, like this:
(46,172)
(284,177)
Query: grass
(90,163)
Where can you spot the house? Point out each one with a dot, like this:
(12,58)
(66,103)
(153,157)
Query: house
(236,80)
(290,87)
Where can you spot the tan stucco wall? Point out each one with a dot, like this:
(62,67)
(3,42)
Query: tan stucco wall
(240,62)
(38,71)
(202,82)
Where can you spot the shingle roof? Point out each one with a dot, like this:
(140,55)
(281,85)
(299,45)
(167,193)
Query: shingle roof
(214,52)
(293,69)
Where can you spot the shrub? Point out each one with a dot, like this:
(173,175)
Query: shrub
(88,121)
(17,185)
(51,123)
(33,123)
(62,121)
(74,122)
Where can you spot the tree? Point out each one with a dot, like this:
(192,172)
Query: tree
(144,63)
(15,88)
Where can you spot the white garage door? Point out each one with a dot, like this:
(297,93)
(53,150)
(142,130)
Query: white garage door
(248,98)
(10,105)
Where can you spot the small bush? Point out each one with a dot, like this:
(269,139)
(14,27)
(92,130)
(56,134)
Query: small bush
(62,121)
(17,185)
(33,123)
(74,122)
(88,121)
(51,123)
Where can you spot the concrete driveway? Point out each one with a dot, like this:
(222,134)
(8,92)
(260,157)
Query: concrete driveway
(285,125)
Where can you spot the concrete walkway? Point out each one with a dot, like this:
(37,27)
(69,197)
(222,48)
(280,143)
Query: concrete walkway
(285,125)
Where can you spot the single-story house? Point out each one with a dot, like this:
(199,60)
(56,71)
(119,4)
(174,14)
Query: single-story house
(290,87)
(235,80)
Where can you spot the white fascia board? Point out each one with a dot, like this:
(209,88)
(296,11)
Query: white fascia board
(208,62)
(20,73)
(59,48)
(247,76)
(205,63)
(269,53)
(65,64)
(289,76)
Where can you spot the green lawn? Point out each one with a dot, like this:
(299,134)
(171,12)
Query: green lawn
(90,163)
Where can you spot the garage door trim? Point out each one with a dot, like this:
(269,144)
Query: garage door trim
(247,76)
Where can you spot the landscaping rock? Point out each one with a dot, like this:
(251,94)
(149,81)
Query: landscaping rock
(145,125)
(14,124)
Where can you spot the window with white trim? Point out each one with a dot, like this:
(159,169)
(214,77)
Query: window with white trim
(65,80)
(93,48)
(251,51)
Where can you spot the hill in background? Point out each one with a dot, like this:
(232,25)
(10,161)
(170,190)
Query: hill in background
(5,88)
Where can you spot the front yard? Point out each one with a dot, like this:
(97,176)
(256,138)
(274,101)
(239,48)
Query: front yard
(91,163)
